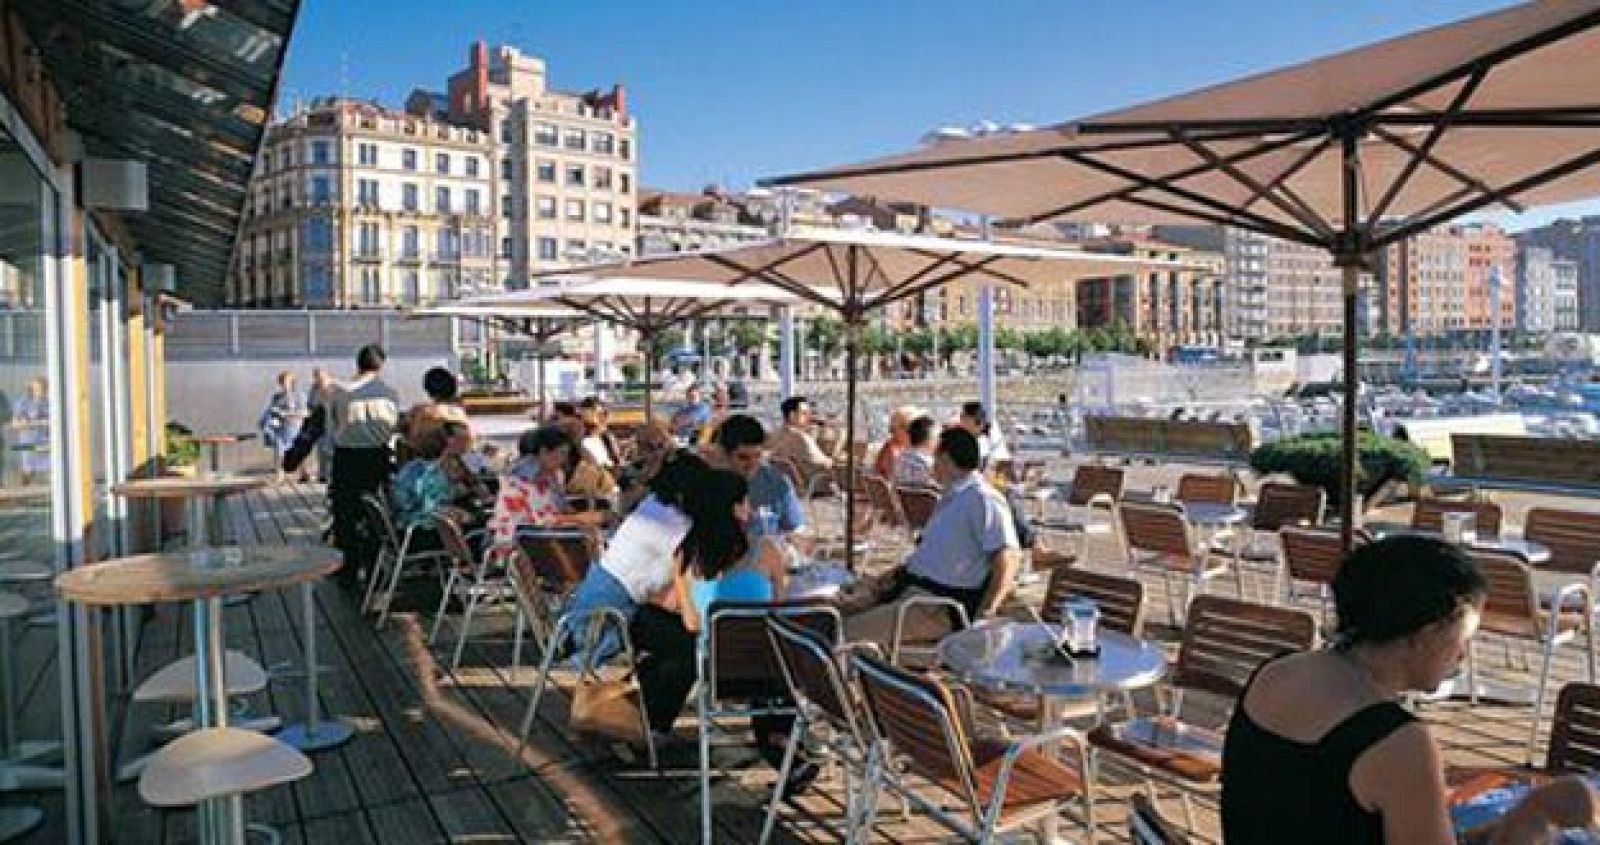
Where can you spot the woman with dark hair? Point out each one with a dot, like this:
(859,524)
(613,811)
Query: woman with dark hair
(1319,749)
(443,406)
(637,562)
(531,495)
(991,446)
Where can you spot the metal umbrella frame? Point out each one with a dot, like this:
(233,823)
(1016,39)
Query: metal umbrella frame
(1350,153)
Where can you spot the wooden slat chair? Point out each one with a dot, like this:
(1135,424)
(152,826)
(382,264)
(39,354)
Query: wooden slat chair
(919,727)
(1573,538)
(1146,825)
(1513,610)
(1094,491)
(1224,640)
(1312,556)
(830,535)
(1207,488)
(814,669)
(1277,505)
(1158,538)
(739,673)
(1575,732)
(1428,515)
(917,504)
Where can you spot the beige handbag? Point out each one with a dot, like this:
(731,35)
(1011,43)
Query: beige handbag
(609,709)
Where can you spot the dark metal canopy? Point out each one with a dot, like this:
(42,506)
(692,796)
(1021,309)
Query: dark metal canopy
(185,86)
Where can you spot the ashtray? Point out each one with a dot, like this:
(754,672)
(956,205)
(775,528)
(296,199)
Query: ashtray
(1081,654)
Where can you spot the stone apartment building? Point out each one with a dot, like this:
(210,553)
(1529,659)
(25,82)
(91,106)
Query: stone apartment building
(1578,241)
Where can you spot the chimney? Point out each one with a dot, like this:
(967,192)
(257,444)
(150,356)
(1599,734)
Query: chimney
(480,81)
(619,99)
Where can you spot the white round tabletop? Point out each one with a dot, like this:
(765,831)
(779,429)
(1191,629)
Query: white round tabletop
(183,486)
(1212,514)
(1000,655)
(195,574)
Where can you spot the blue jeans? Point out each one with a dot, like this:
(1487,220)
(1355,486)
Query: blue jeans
(598,589)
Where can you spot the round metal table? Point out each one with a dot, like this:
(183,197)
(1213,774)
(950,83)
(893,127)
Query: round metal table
(216,440)
(1212,516)
(998,655)
(199,492)
(202,577)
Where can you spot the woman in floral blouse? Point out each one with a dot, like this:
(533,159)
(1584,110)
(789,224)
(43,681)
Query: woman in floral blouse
(533,494)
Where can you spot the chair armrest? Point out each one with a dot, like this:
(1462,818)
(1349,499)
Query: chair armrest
(1101,500)
(921,601)
(1558,600)
(1022,745)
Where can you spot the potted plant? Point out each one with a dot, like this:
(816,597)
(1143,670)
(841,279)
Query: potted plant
(181,453)
(1316,459)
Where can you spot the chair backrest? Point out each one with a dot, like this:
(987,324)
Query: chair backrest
(884,501)
(1314,554)
(1279,504)
(790,471)
(454,542)
(740,663)
(377,514)
(1224,640)
(917,506)
(916,717)
(1512,606)
(1089,480)
(1575,734)
(1121,600)
(815,678)
(1428,515)
(1146,825)
(560,557)
(841,479)
(1220,489)
(1155,528)
(1573,538)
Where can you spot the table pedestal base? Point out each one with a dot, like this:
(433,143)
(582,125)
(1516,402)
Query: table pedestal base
(320,737)
(15,822)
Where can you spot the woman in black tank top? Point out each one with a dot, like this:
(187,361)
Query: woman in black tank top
(1318,749)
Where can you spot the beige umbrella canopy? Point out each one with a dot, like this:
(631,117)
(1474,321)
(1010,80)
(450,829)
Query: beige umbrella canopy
(854,272)
(1351,152)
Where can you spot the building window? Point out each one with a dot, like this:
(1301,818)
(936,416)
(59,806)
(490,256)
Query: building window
(409,242)
(505,207)
(577,250)
(367,240)
(320,152)
(367,193)
(602,178)
(317,234)
(602,212)
(545,134)
(371,292)
(367,155)
(623,216)
(408,159)
(441,162)
(505,247)
(505,131)
(472,165)
(547,249)
(545,170)
(624,183)
(321,190)
(604,143)
(408,196)
(441,200)
(575,210)
(624,149)
(411,287)
(473,201)
(505,169)
(575,140)
(575,175)
(546,207)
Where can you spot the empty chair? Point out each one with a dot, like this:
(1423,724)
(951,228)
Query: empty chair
(918,728)
(1090,505)
(1197,488)
(1428,515)
(1277,505)
(1158,538)
(1573,538)
(1575,732)
(1512,609)
(1312,556)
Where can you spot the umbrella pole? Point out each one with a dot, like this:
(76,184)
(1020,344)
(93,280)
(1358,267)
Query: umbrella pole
(648,341)
(1349,509)
(852,345)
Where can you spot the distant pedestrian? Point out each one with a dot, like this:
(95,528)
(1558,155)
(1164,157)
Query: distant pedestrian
(30,433)
(317,403)
(280,422)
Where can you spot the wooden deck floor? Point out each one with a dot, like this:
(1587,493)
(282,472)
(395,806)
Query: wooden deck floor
(433,755)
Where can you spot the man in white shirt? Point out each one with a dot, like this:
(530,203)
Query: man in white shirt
(362,415)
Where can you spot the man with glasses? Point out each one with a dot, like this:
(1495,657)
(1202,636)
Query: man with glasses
(741,446)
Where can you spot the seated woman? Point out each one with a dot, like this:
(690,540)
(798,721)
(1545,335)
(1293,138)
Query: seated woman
(598,442)
(422,488)
(588,485)
(637,562)
(652,446)
(716,563)
(1320,750)
(531,495)
(889,453)
(914,466)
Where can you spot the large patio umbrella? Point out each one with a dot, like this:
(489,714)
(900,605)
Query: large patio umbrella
(1351,153)
(854,272)
(647,306)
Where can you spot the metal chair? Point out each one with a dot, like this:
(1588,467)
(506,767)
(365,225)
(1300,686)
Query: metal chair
(1220,489)
(917,725)
(1277,505)
(1095,489)
(1513,610)
(1428,515)
(1224,640)
(1573,538)
(917,504)
(472,581)
(923,652)
(814,669)
(1158,537)
(558,559)
(1575,731)
(1146,825)
(1312,555)
(738,671)
(394,553)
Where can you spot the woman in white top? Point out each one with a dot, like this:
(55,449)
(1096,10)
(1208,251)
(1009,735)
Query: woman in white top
(638,560)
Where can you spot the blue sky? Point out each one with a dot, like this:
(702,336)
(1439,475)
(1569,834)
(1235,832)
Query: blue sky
(728,92)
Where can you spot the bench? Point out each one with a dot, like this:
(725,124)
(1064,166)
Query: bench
(1160,439)
(1433,434)
(1539,464)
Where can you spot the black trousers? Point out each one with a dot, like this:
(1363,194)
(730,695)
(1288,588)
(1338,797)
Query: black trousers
(356,472)
(667,674)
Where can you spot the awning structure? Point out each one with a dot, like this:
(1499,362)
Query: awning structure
(185,86)
(1351,152)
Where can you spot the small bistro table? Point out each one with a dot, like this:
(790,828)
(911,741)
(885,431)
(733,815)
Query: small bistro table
(214,443)
(200,493)
(202,577)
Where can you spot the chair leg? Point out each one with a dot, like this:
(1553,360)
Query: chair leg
(795,735)
(705,763)
(473,598)
(444,603)
(1538,697)
(373,577)
(394,580)
(516,642)
(870,784)
(1472,673)
(563,628)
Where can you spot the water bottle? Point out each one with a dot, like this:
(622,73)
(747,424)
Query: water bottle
(766,521)
(1080,619)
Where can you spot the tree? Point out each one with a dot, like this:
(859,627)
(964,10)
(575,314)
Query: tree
(746,334)
(825,334)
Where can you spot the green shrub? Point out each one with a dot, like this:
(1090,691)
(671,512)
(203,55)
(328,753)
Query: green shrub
(1316,458)
(181,448)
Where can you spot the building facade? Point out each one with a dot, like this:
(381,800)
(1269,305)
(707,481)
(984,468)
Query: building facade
(1536,290)
(1448,279)
(671,222)
(1564,295)
(354,205)
(1164,308)
(1577,241)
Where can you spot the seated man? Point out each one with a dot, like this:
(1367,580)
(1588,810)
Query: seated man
(968,552)
(794,441)
(741,446)
(695,413)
